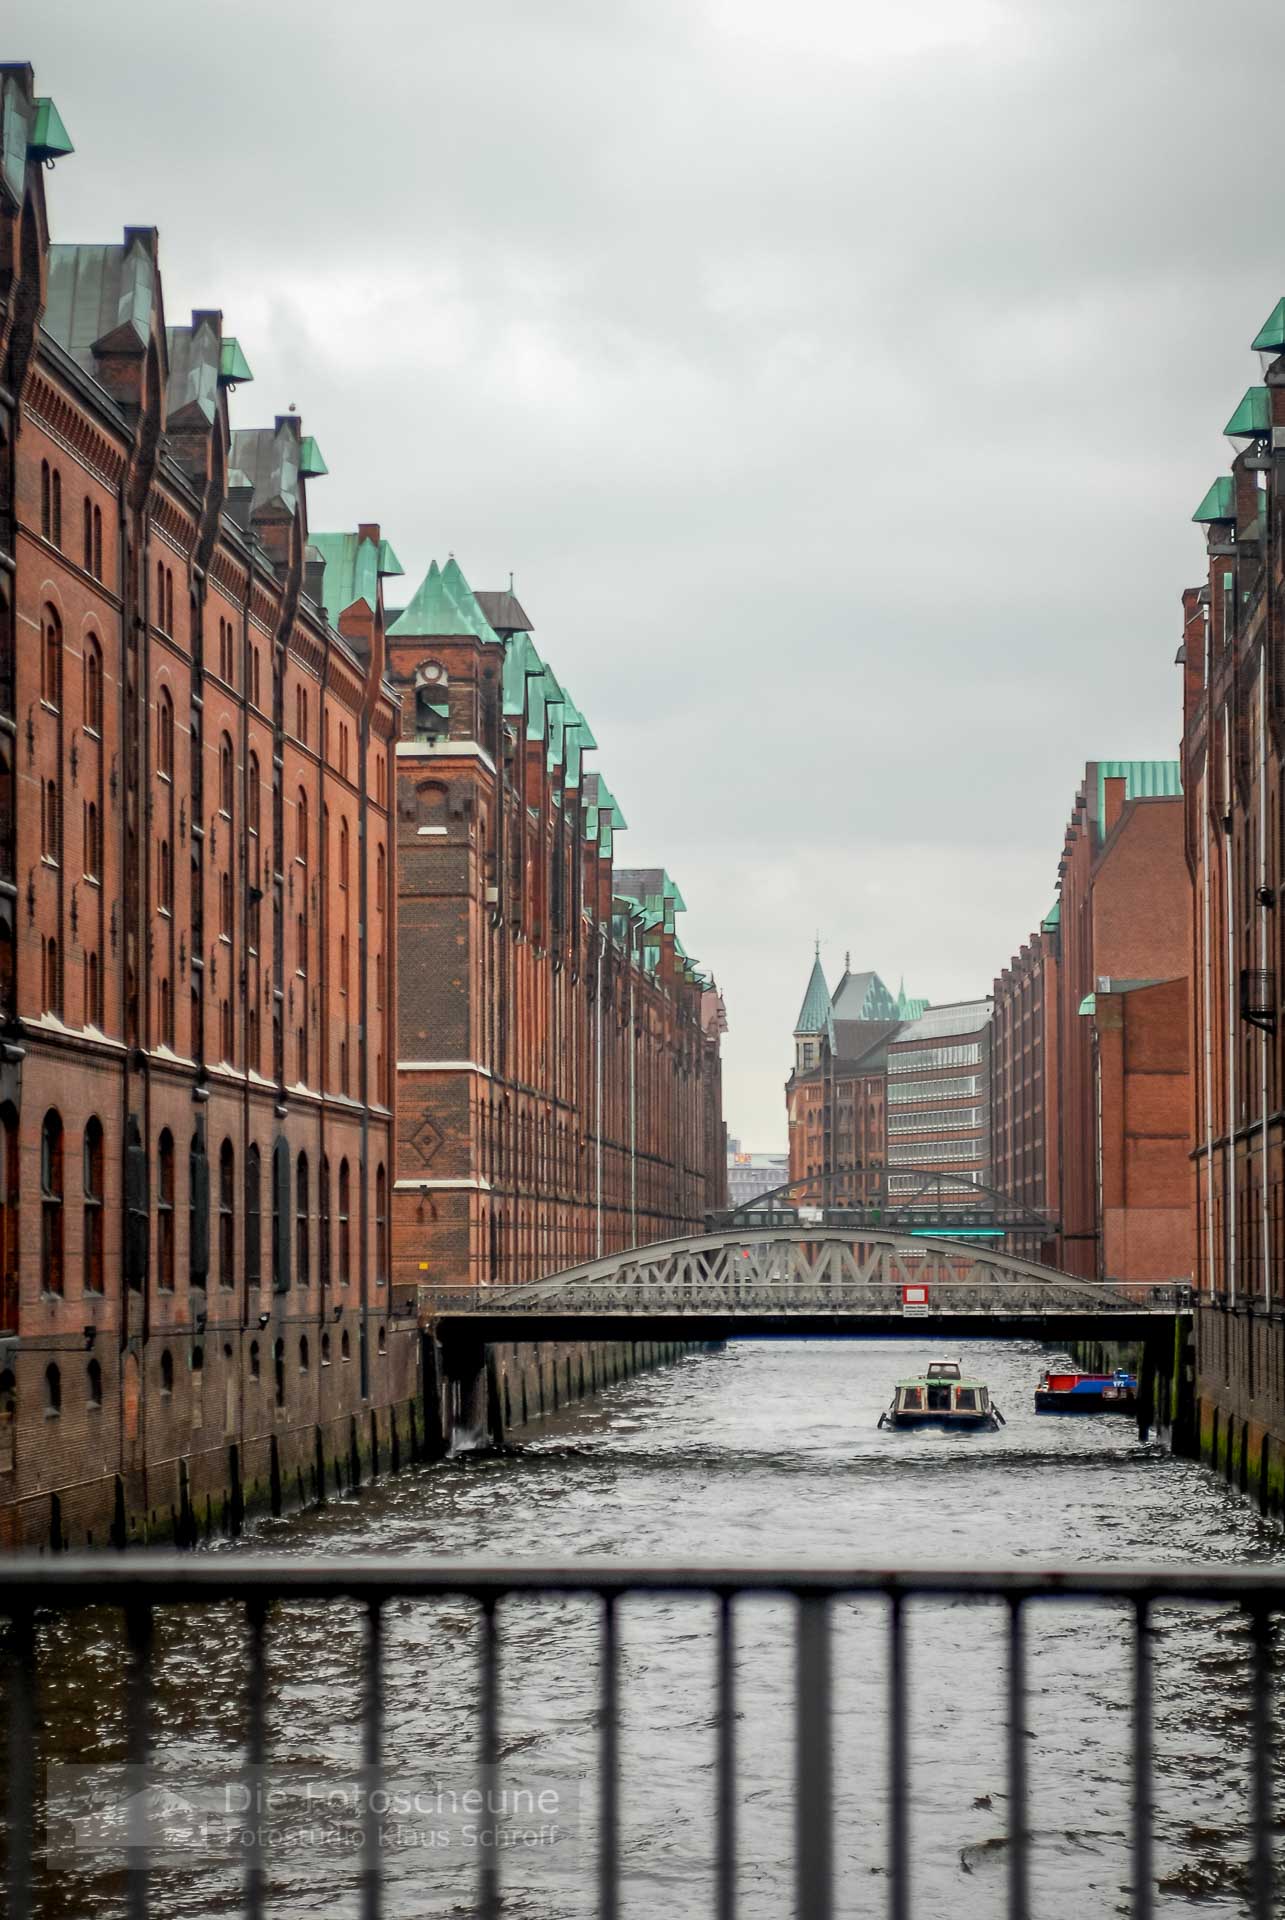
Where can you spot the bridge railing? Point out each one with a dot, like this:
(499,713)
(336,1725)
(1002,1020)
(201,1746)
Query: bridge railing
(36,1593)
(692,1293)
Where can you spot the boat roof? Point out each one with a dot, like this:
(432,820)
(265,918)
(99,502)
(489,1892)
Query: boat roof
(936,1380)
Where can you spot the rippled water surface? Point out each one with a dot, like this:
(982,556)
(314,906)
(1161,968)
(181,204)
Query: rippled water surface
(766,1452)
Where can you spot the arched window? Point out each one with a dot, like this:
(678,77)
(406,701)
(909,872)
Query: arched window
(46,501)
(93,685)
(343,854)
(167,1371)
(51,660)
(227,1236)
(225,906)
(94,1221)
(165,1212)
(51,1268)
(165,736)
(94,1383)
(169,600)
(159,614)
(53,1390)
(165,1013)
(345,1350)
(55,529)
(301,827)
(51,823)
(252,797)
(325,1349)
(98,543)
(344,1240)
(9,1219)
(253,1214)
(381,1226)
(383,1339)
(254,1360)
(164,877)
(279,1368)
(89,535)
(225,1030)
(53,976)
(303,1353)
(225,775)
(303,1263)
(93,842)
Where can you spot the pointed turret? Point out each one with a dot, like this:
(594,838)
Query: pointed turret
(814,1021)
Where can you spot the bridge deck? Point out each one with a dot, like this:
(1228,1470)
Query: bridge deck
(807,1282)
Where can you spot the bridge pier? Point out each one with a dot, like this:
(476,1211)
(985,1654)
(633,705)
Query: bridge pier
(461,1395)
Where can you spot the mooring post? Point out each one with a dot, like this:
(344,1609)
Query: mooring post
(1146,1387)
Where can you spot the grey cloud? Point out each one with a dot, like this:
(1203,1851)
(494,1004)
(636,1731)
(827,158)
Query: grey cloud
(837,379)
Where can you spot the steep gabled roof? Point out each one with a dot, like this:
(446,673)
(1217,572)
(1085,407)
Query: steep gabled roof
(354,567)
(863,996)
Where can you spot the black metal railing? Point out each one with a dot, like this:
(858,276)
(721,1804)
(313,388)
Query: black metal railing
(36,1593)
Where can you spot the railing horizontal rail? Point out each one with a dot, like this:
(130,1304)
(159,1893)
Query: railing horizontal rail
(160,1579)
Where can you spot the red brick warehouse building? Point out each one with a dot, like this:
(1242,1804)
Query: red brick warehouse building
(196,913)
(558,1052)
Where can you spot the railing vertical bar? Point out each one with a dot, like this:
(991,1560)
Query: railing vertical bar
(1143,1765)
(489,1857)
(1262,1871)
(609,1769)
(813,1784)
(898,1741)
(725,1763)
(372,1763)
(256,1755)
(22,1772)
(1018,1827)
(139,1624)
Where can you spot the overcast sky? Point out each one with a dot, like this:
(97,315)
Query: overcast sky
(837,380)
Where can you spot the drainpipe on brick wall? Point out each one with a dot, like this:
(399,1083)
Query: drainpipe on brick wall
(1208,974)
(634,930)
(1262,945)
(1230,1182)
(598,1093)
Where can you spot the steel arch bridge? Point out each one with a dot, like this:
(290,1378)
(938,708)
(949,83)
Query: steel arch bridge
(801,1280)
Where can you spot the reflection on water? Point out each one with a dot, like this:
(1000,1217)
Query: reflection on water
(767,1452)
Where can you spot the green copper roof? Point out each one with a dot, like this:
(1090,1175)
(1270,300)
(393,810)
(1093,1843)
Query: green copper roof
(1271,336)
(1089,1004)
(1219,503)
(1252,417)
(234,368)
(49,138)
(1053,918)
(814,1014)
(1144,780)
(354,568)
(443,609)
(311,464)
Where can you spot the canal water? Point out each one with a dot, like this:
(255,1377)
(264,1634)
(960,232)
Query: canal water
(768,1451)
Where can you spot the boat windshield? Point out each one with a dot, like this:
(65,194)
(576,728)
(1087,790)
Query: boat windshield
(944,1370)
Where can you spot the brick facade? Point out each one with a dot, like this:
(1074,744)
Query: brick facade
(1025,1151)
(1124,1088)
(196,911)
(558,1053)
